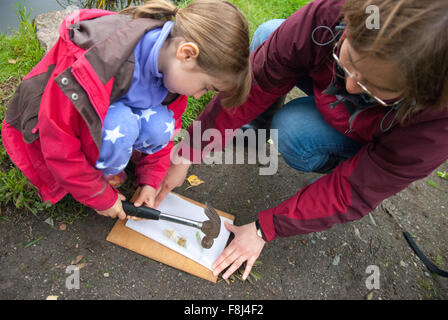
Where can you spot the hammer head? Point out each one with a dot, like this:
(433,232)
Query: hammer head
(211,227)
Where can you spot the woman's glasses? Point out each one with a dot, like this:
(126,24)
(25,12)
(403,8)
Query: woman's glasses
(362,86)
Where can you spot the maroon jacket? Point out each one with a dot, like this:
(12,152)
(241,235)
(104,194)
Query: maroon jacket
(388,161)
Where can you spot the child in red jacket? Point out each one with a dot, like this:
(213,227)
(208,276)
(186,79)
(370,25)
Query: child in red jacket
(54,129)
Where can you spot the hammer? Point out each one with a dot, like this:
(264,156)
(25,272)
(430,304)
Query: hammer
(209,227)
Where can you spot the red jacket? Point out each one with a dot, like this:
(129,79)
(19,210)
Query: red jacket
(52,127)
(388,161)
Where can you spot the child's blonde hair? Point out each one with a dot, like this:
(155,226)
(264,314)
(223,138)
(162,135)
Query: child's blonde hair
(221,32)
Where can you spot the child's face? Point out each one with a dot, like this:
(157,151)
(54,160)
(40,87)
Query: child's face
(191,82)
(182,75)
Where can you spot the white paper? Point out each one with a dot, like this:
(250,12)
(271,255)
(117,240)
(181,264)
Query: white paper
(175,205)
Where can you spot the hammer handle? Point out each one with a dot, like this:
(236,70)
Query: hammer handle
(140,212)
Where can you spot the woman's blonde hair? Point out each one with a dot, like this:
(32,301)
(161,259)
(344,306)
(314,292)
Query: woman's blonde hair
(413,35)
(221,32)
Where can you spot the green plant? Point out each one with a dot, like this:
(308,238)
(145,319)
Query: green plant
(21,51)
(431,183)
(238,275)
(17,190)
(442,174)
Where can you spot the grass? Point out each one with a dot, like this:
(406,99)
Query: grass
(20,52)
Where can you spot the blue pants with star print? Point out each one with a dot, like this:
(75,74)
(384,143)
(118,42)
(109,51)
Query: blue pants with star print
(126,129)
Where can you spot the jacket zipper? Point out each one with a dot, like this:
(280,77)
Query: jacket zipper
(352,118)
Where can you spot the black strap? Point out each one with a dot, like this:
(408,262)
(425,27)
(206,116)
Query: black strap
(431,266)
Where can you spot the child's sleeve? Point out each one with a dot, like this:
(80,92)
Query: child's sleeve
(152,168)
(64,156)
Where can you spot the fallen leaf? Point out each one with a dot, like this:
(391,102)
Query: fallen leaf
(12,61)
(194,180)
(77,259)
(59,266)
(81,265)
(62,227)
(303,241)
(52,298)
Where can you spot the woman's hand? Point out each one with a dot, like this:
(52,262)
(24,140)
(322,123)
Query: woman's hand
(146,197)
(116,210)
(175,177)
(246,245)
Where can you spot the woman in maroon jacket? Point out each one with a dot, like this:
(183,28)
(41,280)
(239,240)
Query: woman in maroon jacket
(376,118)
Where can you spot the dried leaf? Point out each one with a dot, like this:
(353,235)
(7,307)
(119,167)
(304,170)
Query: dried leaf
(81,265)
(62,227)
(77,259)
(194,181)
(12,61)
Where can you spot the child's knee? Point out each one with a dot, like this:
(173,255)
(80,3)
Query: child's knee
(156,130)
(122,116)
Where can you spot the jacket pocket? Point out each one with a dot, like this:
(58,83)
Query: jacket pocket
(23,109)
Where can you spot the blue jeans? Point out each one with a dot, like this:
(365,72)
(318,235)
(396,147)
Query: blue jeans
(305,140)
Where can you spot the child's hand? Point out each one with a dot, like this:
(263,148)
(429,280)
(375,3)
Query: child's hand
(146,197)
(116,210)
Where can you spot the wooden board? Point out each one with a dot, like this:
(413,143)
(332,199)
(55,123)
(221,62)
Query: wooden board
(134,241)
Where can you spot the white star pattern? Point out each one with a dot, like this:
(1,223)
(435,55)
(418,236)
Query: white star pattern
(169,127)
(113,135)
(100,165)
(147,113)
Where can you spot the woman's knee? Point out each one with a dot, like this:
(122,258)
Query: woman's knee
(264,31)
(306,142)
